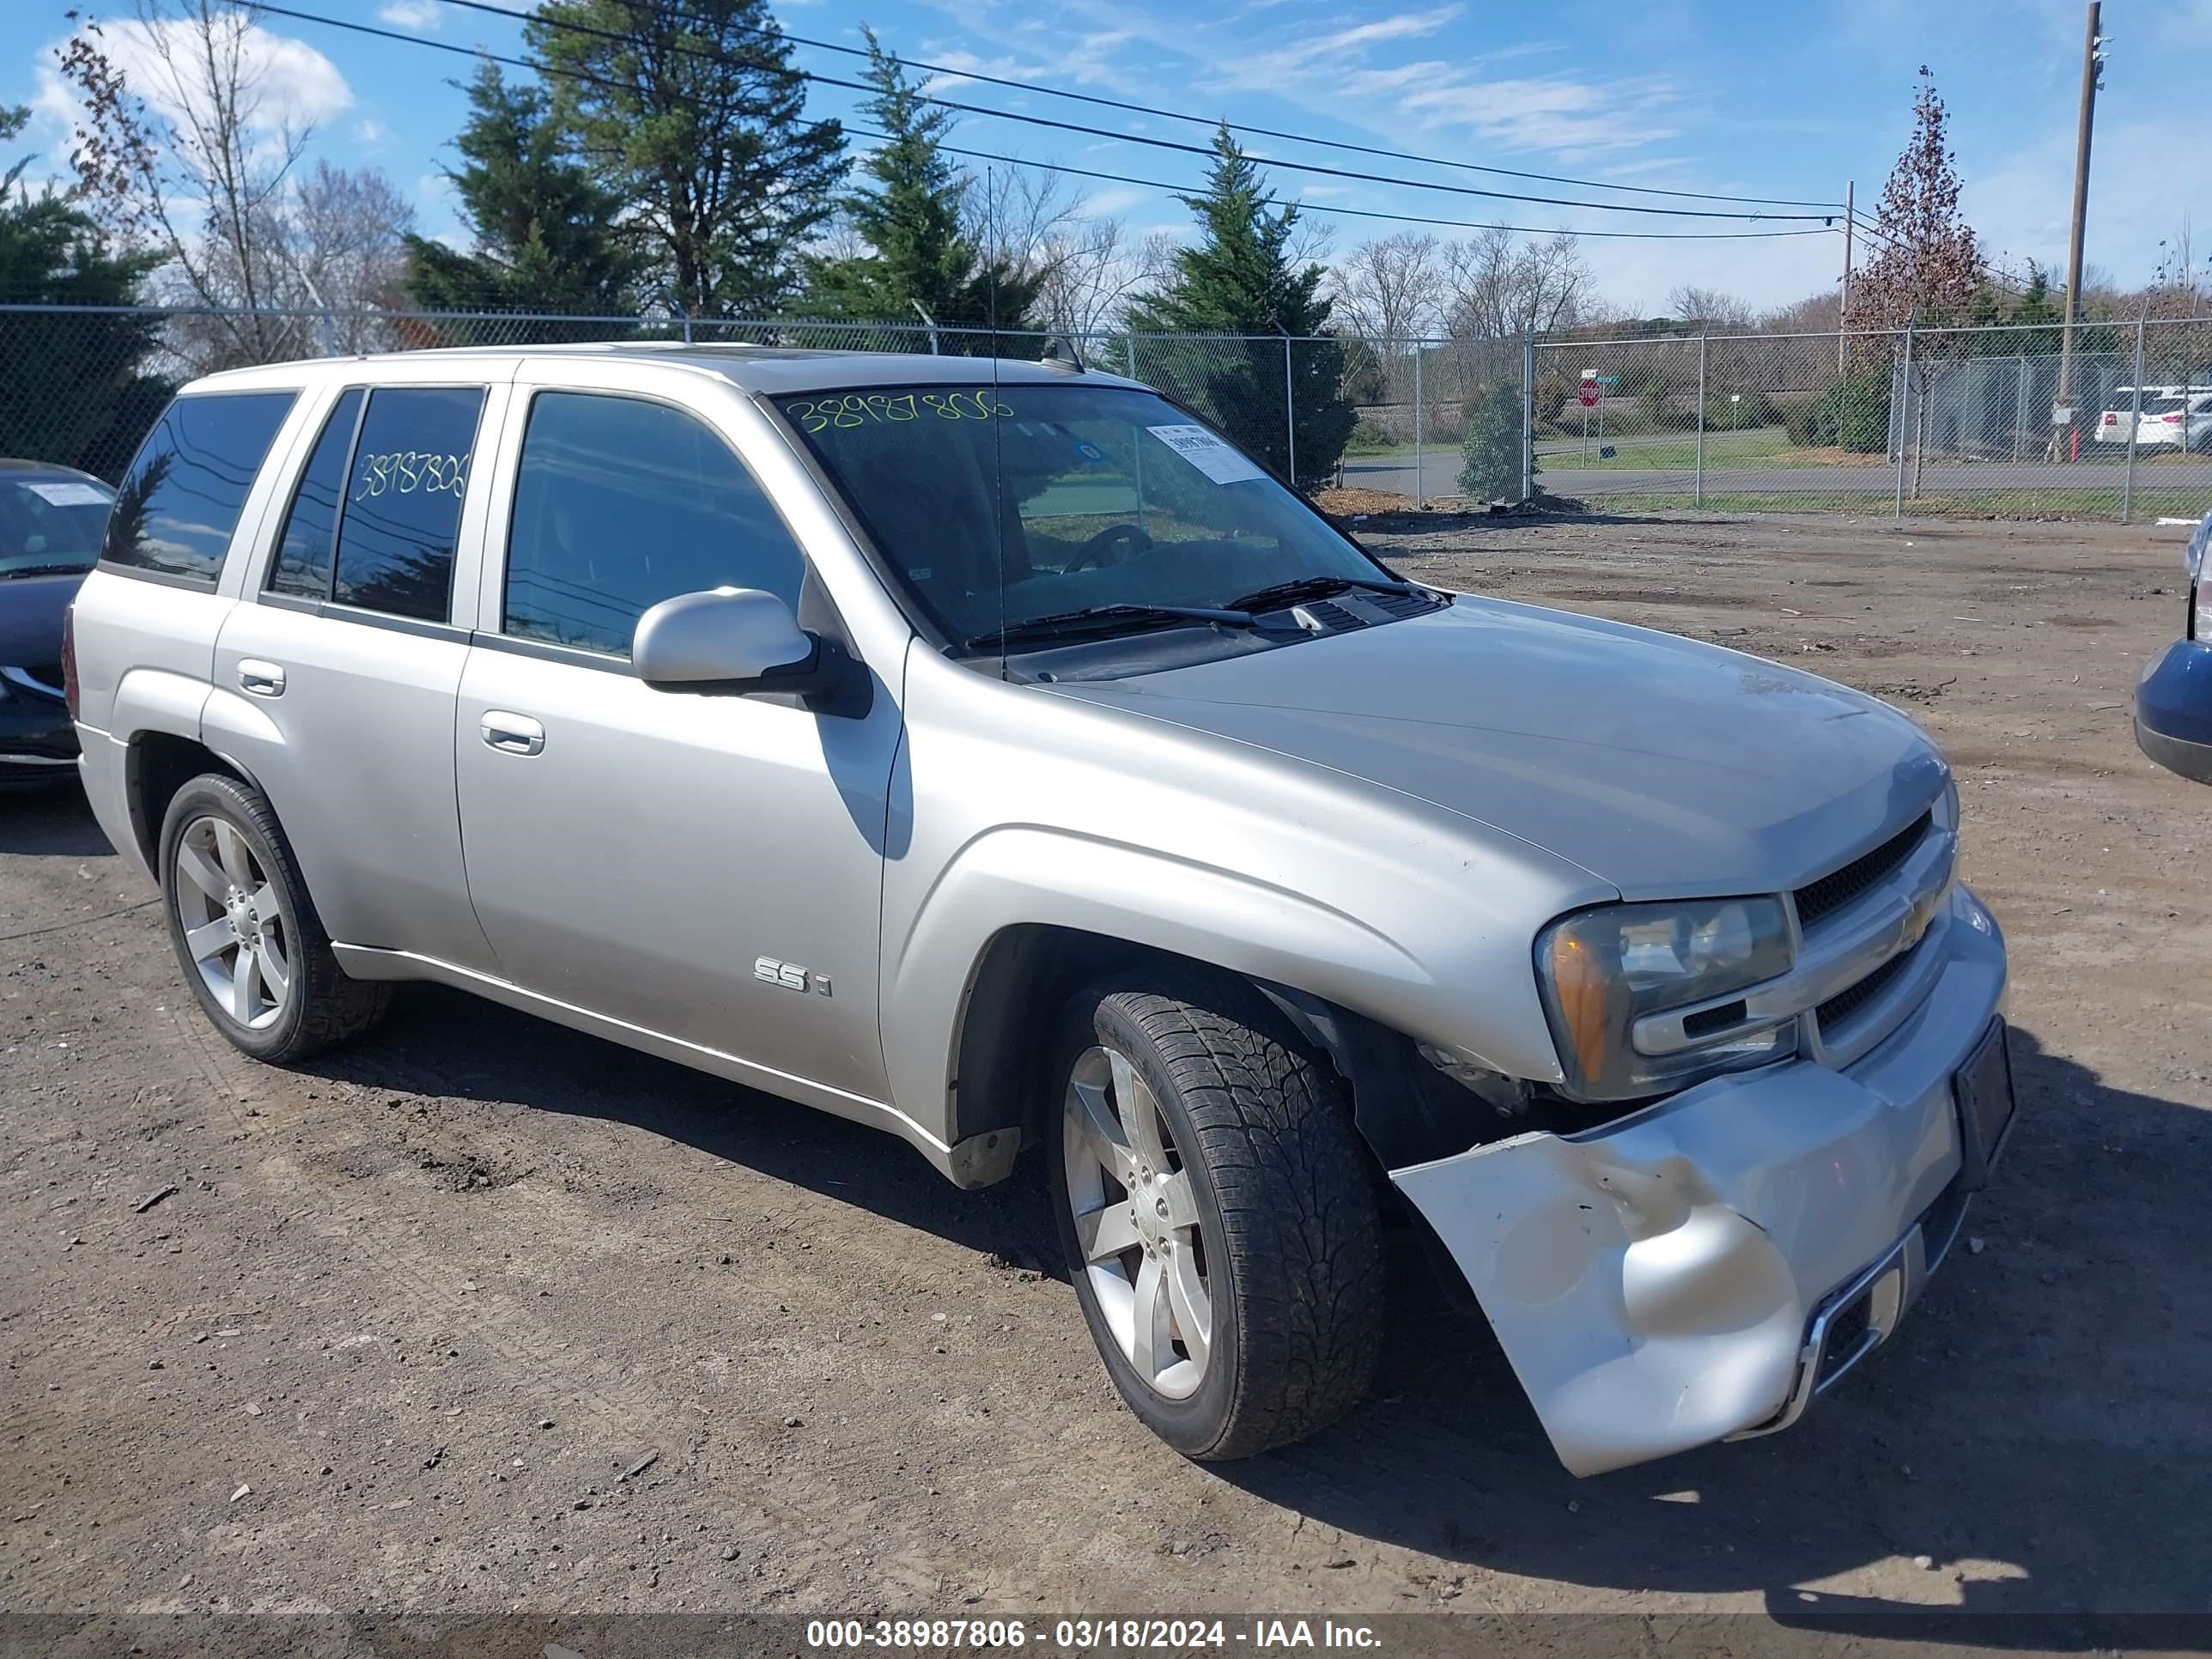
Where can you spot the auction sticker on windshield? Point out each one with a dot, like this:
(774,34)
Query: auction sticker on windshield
(68,494)
(1206,452)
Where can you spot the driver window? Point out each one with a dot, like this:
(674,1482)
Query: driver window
(620,503)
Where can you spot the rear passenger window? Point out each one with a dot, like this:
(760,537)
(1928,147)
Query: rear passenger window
(180,501)
(311,528)
(620,504)
(402,512)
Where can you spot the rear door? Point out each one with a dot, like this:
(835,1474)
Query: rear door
(707,868)
(335,685)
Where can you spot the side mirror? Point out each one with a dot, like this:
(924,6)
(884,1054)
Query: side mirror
(728,641)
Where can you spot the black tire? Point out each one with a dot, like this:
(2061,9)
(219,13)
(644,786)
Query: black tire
(1286,1208)
(322,1007)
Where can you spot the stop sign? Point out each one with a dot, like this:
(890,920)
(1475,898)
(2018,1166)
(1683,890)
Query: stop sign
(1586,395)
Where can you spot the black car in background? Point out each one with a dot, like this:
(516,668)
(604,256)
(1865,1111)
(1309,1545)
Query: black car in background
(51,519)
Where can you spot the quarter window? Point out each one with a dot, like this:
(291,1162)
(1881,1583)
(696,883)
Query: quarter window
(311,528)
(402,512)
(619,504)
(180,501)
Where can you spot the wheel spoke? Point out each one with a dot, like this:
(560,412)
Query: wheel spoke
(210,939)
(1140,1115)
(1149,1307)
(242,972)
(1193,1307)
(1102,1133)
(1182,1200)
(275,972)
(195,866)
(264,904)
(1106,1231)
(230,849)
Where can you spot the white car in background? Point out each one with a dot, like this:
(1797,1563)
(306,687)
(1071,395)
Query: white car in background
(2181,422)
(2121,413)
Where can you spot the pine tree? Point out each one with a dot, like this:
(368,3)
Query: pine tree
(693,115)
(76,392)
(1238,278)
(543,229)
(912,220)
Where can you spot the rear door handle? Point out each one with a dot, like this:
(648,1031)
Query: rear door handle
(259,678)
(512,734)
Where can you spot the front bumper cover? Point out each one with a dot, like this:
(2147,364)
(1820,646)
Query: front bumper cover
(1691,1273)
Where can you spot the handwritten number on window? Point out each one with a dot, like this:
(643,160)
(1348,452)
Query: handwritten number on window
(410,472)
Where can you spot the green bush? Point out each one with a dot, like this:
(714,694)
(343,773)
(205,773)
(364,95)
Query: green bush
(1366,438)
(1850,414)
(1491,453)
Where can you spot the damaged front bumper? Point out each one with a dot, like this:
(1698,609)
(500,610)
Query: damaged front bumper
(1701,1270)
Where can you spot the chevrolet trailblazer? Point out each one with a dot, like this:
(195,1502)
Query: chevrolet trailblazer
(994,753)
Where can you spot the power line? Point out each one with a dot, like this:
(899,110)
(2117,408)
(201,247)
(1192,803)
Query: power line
(1209,121)
(724,59)
(1083,173)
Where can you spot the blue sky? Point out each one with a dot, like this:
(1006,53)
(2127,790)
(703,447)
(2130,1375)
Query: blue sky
(1765,99)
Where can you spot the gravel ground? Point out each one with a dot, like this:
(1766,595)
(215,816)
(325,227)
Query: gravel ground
(484,1315)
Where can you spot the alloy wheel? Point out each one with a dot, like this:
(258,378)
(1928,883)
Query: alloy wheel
(1136,1219)
(235,926)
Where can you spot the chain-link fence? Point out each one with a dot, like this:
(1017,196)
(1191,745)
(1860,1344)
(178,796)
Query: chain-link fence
(1993,422)
(2000,422)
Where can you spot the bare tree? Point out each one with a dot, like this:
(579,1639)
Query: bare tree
(343,236)
(192,165)
(2178,286)
(1018,218)
(1499,287)
(196,161)
(1816,313)
(1391,289)
(1093,266)
(1715,307)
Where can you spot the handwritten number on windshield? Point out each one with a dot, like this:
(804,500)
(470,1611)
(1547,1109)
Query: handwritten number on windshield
(876,408)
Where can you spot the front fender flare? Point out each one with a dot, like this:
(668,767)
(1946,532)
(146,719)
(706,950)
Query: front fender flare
(1029,875)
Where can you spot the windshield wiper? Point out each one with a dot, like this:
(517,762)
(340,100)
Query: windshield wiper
(1098,616)
(1316,587)
(64,568)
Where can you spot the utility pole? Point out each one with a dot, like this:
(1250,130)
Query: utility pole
(1844,314)
(2093,61)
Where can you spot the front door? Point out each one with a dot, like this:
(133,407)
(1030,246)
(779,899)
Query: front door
(707,868)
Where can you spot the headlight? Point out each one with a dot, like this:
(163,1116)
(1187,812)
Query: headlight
(1947,805)
(1604,970)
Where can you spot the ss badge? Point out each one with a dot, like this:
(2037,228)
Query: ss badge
(789,976)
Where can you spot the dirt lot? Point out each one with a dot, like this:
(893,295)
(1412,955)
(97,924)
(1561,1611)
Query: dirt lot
(410,1316)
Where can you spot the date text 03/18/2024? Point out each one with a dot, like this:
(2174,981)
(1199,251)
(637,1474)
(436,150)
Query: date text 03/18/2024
(1089,1635)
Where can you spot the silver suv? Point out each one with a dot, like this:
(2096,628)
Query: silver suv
(994,753)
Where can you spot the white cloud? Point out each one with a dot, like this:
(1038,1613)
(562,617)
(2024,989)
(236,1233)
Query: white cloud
(1266,70)
(419,15)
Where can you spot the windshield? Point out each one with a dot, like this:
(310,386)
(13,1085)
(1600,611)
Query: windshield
(49,524)
(1100,494)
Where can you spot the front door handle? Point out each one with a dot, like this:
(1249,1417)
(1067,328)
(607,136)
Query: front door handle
(512,734)
(259,678)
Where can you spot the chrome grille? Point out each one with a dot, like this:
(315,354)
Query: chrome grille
(1841,1006)
(1836,889)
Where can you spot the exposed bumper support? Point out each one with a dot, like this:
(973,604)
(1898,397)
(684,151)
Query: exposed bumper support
(1701,1270)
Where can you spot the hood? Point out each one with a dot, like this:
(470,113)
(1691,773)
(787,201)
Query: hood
(31,617)
(1665,767)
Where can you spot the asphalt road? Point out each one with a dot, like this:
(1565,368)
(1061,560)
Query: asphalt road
(1441,473)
